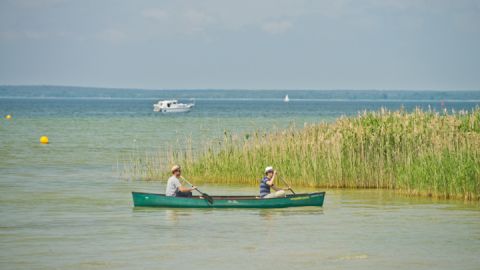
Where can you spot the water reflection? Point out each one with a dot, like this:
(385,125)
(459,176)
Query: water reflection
(266,214)
(269,214)
(172,215)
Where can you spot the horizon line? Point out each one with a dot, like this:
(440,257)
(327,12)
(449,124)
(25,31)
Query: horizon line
(235,89)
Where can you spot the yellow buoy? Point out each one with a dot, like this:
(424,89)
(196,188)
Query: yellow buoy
(44,139)
(8,117)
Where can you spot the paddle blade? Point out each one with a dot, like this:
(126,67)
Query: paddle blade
(205,196)
(208,198)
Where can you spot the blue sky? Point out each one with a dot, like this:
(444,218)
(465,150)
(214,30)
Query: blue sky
(358,44)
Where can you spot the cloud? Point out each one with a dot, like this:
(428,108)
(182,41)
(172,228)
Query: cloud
(18,35)
(196,20)
(177,20)
(9,35)
(155,14)
(277,27)
(36,3)
(112,35)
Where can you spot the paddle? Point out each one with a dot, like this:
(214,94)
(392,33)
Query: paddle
(205,195)
(289,188)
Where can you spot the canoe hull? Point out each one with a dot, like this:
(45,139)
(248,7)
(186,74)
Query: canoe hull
(141,199)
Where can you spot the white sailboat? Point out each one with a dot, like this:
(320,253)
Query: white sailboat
(286,99)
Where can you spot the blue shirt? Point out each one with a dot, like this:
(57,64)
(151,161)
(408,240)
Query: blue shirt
(264,187)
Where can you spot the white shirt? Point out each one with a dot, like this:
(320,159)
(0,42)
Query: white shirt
(172,185)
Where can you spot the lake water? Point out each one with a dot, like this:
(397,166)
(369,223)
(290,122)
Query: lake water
(64,206)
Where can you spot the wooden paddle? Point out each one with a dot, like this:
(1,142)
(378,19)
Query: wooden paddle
(205,195)
(289,188)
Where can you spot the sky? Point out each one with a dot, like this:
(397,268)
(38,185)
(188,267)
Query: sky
(247,44)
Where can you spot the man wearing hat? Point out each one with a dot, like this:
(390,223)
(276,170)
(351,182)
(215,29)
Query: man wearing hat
(267,182)
(174,187)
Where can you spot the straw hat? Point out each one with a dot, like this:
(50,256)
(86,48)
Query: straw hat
(175,167)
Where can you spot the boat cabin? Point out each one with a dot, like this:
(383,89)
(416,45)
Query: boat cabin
(167,103)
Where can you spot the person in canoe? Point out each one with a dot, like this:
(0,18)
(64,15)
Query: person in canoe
(174,187)
(267,182)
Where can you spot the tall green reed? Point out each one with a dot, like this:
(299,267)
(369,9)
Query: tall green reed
(419,152)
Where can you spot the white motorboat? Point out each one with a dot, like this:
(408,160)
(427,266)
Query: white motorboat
(286,99)
(167,106)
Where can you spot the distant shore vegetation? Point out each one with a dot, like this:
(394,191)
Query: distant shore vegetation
(419,152)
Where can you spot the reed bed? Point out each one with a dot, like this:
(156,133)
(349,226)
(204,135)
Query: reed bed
(420,152)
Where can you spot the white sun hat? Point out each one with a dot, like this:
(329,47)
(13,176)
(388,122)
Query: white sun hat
(268,169)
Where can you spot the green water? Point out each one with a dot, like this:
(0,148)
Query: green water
(91,225)
(64,206)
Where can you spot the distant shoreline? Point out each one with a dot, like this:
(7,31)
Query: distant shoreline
(250,99)
(231,89)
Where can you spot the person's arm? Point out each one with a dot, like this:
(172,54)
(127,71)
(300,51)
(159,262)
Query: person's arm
(276,188)
(270,182)
(186,189)
(182,188)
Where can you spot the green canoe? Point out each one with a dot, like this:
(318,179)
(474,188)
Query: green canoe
(141,199)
